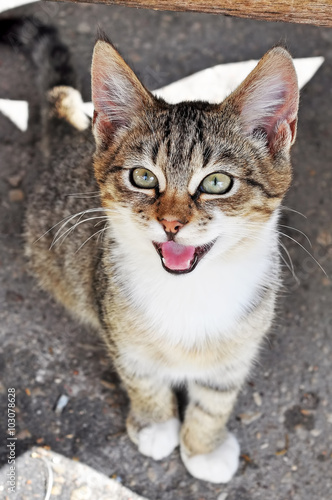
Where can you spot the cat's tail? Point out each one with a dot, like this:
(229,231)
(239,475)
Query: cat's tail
(56,77)
(41,44)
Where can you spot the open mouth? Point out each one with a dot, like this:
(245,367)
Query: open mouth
(180,259)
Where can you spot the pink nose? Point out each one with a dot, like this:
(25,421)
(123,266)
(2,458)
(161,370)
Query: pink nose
(171,226)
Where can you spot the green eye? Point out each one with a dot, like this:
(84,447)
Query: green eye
(216,183)
(143,178)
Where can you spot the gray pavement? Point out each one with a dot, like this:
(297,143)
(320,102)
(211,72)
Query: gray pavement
(283,418)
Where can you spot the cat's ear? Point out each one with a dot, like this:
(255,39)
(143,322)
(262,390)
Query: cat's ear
(268,100)
(117,94)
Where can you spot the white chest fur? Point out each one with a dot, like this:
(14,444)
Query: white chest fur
(208,302)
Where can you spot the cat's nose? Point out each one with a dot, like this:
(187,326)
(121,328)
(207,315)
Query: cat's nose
(171,226)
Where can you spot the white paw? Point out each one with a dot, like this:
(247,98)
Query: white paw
(159,440)
(219,466)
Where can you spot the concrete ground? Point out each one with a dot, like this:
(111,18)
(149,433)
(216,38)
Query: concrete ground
(43,474)
(283,417)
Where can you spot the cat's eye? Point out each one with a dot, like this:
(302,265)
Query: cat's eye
(216,183)
(143,178)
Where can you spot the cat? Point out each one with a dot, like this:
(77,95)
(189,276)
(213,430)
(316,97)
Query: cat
(171,252)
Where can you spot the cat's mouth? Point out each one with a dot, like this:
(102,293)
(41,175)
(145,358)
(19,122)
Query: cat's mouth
(180,259)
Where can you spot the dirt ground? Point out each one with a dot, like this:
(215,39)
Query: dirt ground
(283,417)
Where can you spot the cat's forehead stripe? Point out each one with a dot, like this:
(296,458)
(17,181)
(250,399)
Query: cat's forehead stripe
(184,132)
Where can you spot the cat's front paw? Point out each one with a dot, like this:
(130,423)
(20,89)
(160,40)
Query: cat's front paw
(219,466)
(159,440)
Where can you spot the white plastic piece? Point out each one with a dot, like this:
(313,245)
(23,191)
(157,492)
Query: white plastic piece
(216,83)
(16,111)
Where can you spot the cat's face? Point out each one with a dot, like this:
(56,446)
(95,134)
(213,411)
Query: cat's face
(190,181)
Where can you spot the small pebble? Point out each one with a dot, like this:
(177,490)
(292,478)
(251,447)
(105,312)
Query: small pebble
(16,195)
(81,493)
(83,28)
(151,473)
(24,434)
(248,418)
(257,398)
(15,180)
(324,238)
(56,490)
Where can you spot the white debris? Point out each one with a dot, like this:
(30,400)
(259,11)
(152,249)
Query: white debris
(249,418)
(12,4)
(257,398)
(16,111)
(61,404)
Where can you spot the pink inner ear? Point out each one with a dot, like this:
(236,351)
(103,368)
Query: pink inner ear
(112,98)
(269,99)
(117,94)
(266,104)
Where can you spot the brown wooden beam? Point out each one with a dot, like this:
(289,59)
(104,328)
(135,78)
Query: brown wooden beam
(317,12)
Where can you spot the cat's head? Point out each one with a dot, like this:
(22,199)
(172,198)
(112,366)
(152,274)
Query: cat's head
(192,179)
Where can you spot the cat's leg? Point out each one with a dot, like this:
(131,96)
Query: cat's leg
(153,423)
(208,450)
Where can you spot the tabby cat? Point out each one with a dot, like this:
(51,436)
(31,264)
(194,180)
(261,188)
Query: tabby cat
(173,256)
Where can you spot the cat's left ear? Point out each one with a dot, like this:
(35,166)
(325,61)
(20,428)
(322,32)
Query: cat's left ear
(117,94)
(268,100)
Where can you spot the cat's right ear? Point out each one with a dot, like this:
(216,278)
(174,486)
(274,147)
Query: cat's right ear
(117,94)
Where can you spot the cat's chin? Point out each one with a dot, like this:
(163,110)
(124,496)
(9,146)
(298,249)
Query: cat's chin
(180,259)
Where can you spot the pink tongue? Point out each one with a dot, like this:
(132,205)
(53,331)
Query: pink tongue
(177,257)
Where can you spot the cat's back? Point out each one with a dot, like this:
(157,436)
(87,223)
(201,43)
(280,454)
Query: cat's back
(62,216)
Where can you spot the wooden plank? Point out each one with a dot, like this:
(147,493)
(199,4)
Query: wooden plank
(316,12)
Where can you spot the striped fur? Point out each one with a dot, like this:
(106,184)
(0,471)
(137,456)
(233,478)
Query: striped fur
(202,329)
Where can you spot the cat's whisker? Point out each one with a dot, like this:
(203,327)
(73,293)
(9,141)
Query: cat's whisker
(286,264)
(64,235)
(102,234)
(68,231)
(59,231)
(283,207)
(49,230)
(290,265)
(100,222)
(88,194)
(67,219)
(298,230)
(306,251)
(70,218)
(90,237)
